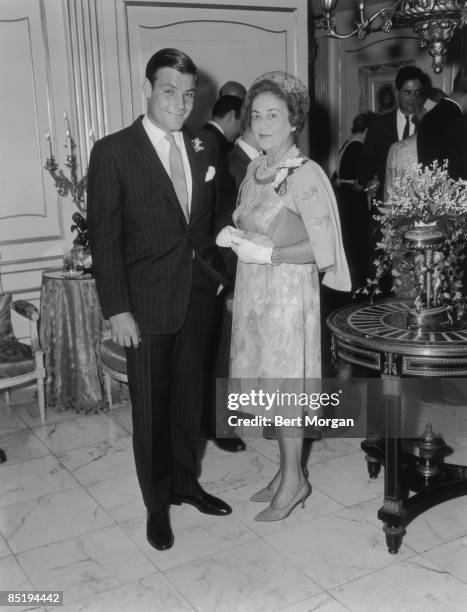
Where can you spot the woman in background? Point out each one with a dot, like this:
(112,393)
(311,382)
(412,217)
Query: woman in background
(353,206)
(276,311)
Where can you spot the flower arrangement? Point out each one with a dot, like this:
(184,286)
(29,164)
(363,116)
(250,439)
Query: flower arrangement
(428,200)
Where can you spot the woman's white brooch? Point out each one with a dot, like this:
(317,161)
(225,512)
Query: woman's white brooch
(197,145)
(286,168)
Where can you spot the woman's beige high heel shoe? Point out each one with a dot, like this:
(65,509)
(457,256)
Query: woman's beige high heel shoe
(277,514)
(267,494)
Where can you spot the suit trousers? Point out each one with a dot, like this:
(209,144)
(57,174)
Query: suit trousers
(166,378)
(215,413)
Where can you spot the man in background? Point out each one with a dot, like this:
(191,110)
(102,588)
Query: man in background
(232,88)
(389,128)
(224,126)
(245,149)
(219,135)
(442,133)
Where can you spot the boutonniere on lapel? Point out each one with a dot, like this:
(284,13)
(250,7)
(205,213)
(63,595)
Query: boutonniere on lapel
(197,145)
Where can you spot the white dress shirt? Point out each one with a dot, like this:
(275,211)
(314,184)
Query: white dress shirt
(162,147)
(248,149)
(401,124)
(217,126)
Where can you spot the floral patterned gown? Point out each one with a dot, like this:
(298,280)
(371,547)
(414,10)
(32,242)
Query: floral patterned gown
(276,311)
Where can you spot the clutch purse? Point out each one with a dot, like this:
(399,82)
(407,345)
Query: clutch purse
(287,228)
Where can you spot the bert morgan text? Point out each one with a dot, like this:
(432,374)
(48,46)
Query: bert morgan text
(236,420)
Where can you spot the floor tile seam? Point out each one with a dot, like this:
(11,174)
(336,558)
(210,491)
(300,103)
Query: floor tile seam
(76,598)
(326,460)
(10,461)
(113,522)
(212,556)
(334,600)
(57,458)
(77,417)
(21,430)
(61,540)
(366,573)
(201,557)
(97,482)
(328,494)
(92,445)
(442,569)
(132,471)
(8,546)
(373,571)
(12,407)
(125,584)
(448,540)
(78,485)
(182,595)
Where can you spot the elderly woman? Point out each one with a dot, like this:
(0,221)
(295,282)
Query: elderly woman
(276,311)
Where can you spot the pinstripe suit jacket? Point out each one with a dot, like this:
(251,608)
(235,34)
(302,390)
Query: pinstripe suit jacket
(142,246)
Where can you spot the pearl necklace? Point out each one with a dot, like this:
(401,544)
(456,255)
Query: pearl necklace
(267,174)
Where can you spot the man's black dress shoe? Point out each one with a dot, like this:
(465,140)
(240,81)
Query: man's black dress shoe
(232,444)
(158,532)
(204,502)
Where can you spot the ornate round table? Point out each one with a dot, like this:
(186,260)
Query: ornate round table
(71,330)
(376,336)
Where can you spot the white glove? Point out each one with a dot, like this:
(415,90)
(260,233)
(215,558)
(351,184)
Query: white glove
(226,236)
(249,252)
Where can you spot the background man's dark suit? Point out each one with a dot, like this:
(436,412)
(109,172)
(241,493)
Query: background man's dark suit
(442,134)
(216,138)
(237,162)
(215,412)
(381,135)
(171,293)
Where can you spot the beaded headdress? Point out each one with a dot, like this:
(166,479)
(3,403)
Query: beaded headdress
(290,84)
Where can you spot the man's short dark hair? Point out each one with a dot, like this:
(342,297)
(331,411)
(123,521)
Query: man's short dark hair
(170,58)
(409,73)
(225,104)
(232,88)
(460,81)
(362,121)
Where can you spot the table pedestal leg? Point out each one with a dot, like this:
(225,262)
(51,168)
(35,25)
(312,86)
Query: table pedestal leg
(392,510)
(373,465)
(374,435)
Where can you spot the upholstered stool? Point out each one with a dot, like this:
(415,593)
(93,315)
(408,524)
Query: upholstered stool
(113,365)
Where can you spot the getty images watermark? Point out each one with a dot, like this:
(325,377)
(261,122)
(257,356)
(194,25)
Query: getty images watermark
(290,401)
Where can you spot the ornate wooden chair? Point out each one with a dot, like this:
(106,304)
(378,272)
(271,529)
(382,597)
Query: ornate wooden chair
(20,363)
(113,365)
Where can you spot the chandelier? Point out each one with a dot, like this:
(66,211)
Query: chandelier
(434,21)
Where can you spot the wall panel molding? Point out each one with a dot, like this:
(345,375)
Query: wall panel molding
(86,70)
(30,212)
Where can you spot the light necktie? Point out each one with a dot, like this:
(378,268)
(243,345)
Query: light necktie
(406,132)
(177,174)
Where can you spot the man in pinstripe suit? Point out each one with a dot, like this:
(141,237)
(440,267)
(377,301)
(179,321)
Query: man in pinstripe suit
(151,212)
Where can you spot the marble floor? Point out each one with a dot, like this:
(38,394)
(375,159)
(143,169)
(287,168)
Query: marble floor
(72,519)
